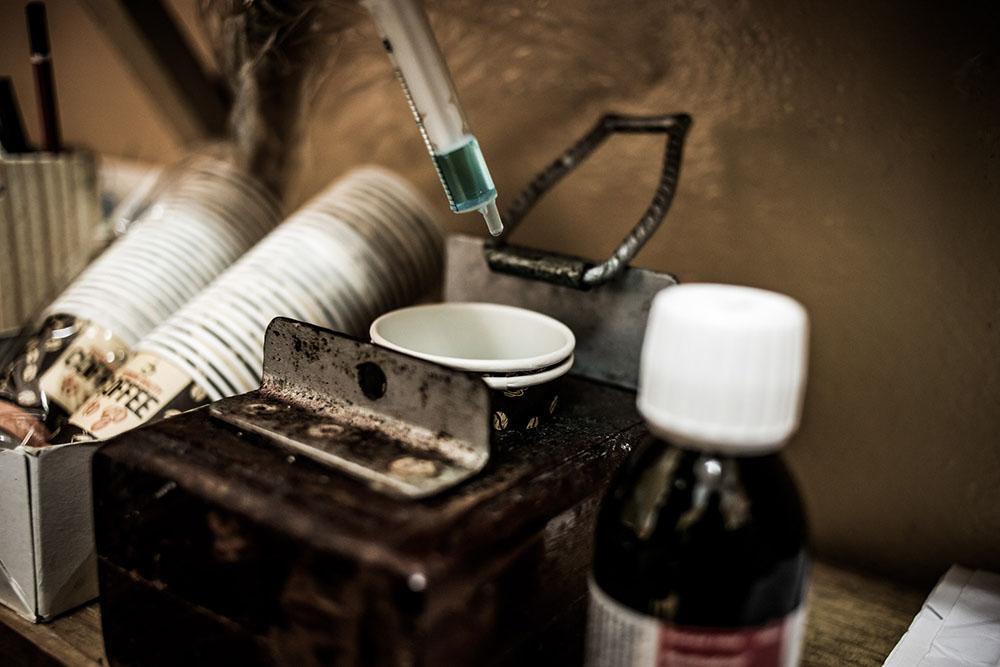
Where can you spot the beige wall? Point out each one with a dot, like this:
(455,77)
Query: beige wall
(844,153)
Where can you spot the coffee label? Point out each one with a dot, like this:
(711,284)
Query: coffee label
(145,387)
(19,383)
(88,362)
(621,637)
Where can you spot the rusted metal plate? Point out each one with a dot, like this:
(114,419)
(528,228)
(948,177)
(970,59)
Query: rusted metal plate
(608,321)
(405,426)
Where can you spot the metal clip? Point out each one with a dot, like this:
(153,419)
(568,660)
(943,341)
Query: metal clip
(574,271)
(404,426)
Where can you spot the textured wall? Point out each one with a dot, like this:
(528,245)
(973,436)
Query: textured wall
(101,105)
(844,153)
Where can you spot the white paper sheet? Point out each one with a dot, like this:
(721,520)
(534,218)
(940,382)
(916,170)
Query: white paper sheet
(958,626)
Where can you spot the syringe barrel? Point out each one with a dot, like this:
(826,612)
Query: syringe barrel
(408,39)
(410,43)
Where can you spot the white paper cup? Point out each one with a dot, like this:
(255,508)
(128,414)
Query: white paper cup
(359,248)
(481,337)
(208,215)
(521,354)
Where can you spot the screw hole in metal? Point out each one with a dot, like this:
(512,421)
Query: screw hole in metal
(260,409)
(410,466)
(325,430)
(372,380)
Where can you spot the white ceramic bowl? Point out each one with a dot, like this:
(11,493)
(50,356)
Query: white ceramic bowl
(482,337)
(519,353)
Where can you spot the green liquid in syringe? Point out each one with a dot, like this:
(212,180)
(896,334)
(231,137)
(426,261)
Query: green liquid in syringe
(465,177)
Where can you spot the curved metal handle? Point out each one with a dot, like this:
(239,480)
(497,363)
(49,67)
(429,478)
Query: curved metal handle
(576,272)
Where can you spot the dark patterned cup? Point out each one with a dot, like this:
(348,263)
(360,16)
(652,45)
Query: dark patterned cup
(521,354)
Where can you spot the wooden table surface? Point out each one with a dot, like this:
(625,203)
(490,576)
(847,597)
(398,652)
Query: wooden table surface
(854,620)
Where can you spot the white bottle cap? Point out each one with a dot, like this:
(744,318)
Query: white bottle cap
(723,367)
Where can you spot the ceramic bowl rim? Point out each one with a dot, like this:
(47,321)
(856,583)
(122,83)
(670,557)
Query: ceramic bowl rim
(511,382)
(525,364)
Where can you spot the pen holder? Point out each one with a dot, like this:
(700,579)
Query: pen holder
(50,222)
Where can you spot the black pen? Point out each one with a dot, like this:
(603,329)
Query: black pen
(41,60)
(12,137)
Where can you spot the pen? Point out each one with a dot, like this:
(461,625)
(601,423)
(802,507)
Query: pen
(12,137)
(41,61)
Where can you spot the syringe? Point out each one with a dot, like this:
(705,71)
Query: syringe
(420,67)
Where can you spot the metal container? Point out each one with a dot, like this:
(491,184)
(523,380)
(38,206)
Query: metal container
(50,227)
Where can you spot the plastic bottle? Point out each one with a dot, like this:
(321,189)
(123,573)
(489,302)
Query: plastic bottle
(700,554)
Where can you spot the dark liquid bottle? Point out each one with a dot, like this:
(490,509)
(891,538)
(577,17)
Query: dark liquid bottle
(709,548)
(700,555)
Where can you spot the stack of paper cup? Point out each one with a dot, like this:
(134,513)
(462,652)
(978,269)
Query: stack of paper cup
(366,245)
(205,214)
(210,214)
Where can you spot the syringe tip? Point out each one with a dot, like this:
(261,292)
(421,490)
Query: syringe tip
(492,215)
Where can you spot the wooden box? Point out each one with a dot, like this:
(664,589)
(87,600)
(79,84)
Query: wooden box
(218,547)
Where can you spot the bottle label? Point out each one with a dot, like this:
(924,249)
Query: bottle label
(621,637)
(144,388)
(89,361)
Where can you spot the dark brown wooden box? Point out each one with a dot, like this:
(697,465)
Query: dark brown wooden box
(217,547)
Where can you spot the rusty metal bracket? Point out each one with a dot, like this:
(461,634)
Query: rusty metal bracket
(574,271)
(404,426)
(609,321)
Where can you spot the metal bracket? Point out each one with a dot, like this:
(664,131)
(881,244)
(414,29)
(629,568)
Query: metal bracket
(404,426)
(574,271)
(609,321)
